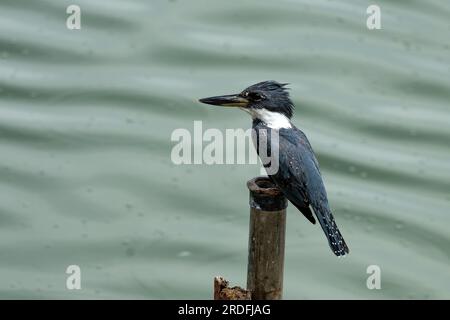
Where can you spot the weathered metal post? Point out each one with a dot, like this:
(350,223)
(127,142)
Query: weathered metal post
(266,240)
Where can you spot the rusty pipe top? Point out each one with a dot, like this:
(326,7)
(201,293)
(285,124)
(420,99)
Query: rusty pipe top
(265,195)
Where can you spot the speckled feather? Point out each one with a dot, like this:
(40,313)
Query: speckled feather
(300,180)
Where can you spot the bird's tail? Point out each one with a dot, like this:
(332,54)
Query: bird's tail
(329,227)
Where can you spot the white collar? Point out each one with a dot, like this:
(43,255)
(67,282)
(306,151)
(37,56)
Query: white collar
(273,120)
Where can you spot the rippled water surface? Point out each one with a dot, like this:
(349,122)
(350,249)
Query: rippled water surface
(85,124)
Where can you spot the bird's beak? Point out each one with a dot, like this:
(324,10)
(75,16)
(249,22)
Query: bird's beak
(232,100)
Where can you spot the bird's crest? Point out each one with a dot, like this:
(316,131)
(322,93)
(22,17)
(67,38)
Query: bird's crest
(278,94)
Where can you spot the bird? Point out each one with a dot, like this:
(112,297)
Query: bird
(298,175)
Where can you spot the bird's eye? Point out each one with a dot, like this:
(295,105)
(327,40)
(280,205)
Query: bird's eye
(255,96)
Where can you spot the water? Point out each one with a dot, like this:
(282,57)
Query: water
(86,118)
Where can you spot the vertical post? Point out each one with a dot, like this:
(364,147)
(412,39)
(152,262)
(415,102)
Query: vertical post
(266,240)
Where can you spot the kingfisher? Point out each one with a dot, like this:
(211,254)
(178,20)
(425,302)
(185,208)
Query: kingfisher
(298,175)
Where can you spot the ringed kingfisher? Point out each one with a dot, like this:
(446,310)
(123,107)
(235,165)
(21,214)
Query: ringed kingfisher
(297,175)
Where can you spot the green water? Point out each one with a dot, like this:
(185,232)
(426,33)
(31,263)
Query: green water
(86,118)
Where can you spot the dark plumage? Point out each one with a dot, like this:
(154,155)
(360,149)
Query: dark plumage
(298,174)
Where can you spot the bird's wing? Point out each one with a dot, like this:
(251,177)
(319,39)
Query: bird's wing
(303,186)
(301,139)
(293,166)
